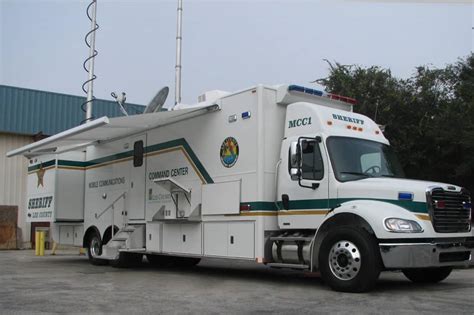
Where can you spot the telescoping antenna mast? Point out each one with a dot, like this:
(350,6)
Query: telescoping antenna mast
(177,91)
(92,53)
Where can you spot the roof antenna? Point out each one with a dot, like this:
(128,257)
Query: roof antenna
(87,105)
(177,91)
(120,99)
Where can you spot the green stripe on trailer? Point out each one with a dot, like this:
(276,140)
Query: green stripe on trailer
(413,206)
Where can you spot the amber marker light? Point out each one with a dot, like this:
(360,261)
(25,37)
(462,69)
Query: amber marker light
(329,123)
(349,127)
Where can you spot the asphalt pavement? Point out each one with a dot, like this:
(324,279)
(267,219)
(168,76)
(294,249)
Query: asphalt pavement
(67,283)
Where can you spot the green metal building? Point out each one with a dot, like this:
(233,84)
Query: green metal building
(27,115)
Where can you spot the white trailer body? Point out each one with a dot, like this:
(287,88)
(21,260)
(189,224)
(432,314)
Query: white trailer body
(281,175)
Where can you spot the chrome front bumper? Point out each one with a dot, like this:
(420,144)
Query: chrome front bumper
(425,255)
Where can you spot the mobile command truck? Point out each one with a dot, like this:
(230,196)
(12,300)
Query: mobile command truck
(285,176)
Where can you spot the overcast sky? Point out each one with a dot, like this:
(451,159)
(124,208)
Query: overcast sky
(227,45)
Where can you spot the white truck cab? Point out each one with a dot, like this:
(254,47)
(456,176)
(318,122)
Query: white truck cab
(281,175)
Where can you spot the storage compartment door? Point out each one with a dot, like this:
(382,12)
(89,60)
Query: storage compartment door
(191,236)
(215,239)
(241,240)
(172,238)
(78,233)
(154,237)
(66,235)
(221,198)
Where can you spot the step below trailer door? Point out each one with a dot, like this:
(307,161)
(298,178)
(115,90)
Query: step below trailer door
(136,208)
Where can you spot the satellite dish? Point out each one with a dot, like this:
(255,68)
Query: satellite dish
(157,102)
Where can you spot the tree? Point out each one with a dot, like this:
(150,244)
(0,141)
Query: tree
(428,118)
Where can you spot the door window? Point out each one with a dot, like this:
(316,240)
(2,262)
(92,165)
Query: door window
(312,161)
(138,151)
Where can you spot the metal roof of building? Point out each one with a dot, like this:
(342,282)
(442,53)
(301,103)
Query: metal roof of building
(29,112)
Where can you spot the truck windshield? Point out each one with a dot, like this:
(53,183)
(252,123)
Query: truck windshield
(354,159)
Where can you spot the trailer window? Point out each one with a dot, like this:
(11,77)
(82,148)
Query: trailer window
(312,162)
(138,153)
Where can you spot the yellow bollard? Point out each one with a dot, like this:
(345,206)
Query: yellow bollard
(37,241)
(41,249)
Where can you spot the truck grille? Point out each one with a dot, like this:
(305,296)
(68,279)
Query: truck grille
(450,210)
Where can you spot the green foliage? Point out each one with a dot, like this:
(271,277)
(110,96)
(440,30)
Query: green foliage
(428,118)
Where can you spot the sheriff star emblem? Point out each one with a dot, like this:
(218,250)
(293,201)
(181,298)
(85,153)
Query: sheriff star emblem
(40,174)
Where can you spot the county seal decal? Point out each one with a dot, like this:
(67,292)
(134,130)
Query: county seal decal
(229,152)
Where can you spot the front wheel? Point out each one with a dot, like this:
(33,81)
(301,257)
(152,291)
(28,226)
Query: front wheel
(349,260)
(427,275)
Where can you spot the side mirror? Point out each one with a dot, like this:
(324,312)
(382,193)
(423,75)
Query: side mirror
(294,161)
(294,174)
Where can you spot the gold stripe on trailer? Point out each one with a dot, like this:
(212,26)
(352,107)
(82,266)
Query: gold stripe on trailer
(80,168)
(281,212)
(180,148)
(304,212)
(113,161)
(255,213)
(110,163)
(163,151)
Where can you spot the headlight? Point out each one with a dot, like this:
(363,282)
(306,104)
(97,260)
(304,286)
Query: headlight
(402,226)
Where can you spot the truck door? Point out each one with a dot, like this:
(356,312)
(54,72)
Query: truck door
(136,194)
(303,183)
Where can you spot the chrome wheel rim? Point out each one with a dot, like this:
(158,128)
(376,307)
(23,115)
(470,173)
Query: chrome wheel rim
(95,247)
(344,260)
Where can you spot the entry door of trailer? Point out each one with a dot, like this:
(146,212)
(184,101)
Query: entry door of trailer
(137,179)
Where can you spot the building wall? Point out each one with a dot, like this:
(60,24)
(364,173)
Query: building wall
(29,112)
(13,179)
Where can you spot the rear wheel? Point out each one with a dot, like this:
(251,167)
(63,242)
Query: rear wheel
(427,275)
(94,250)
(349,260)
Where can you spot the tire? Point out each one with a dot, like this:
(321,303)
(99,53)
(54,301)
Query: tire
(94,250)
(427,275)
(160,261)
(127,260)
(355,252)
